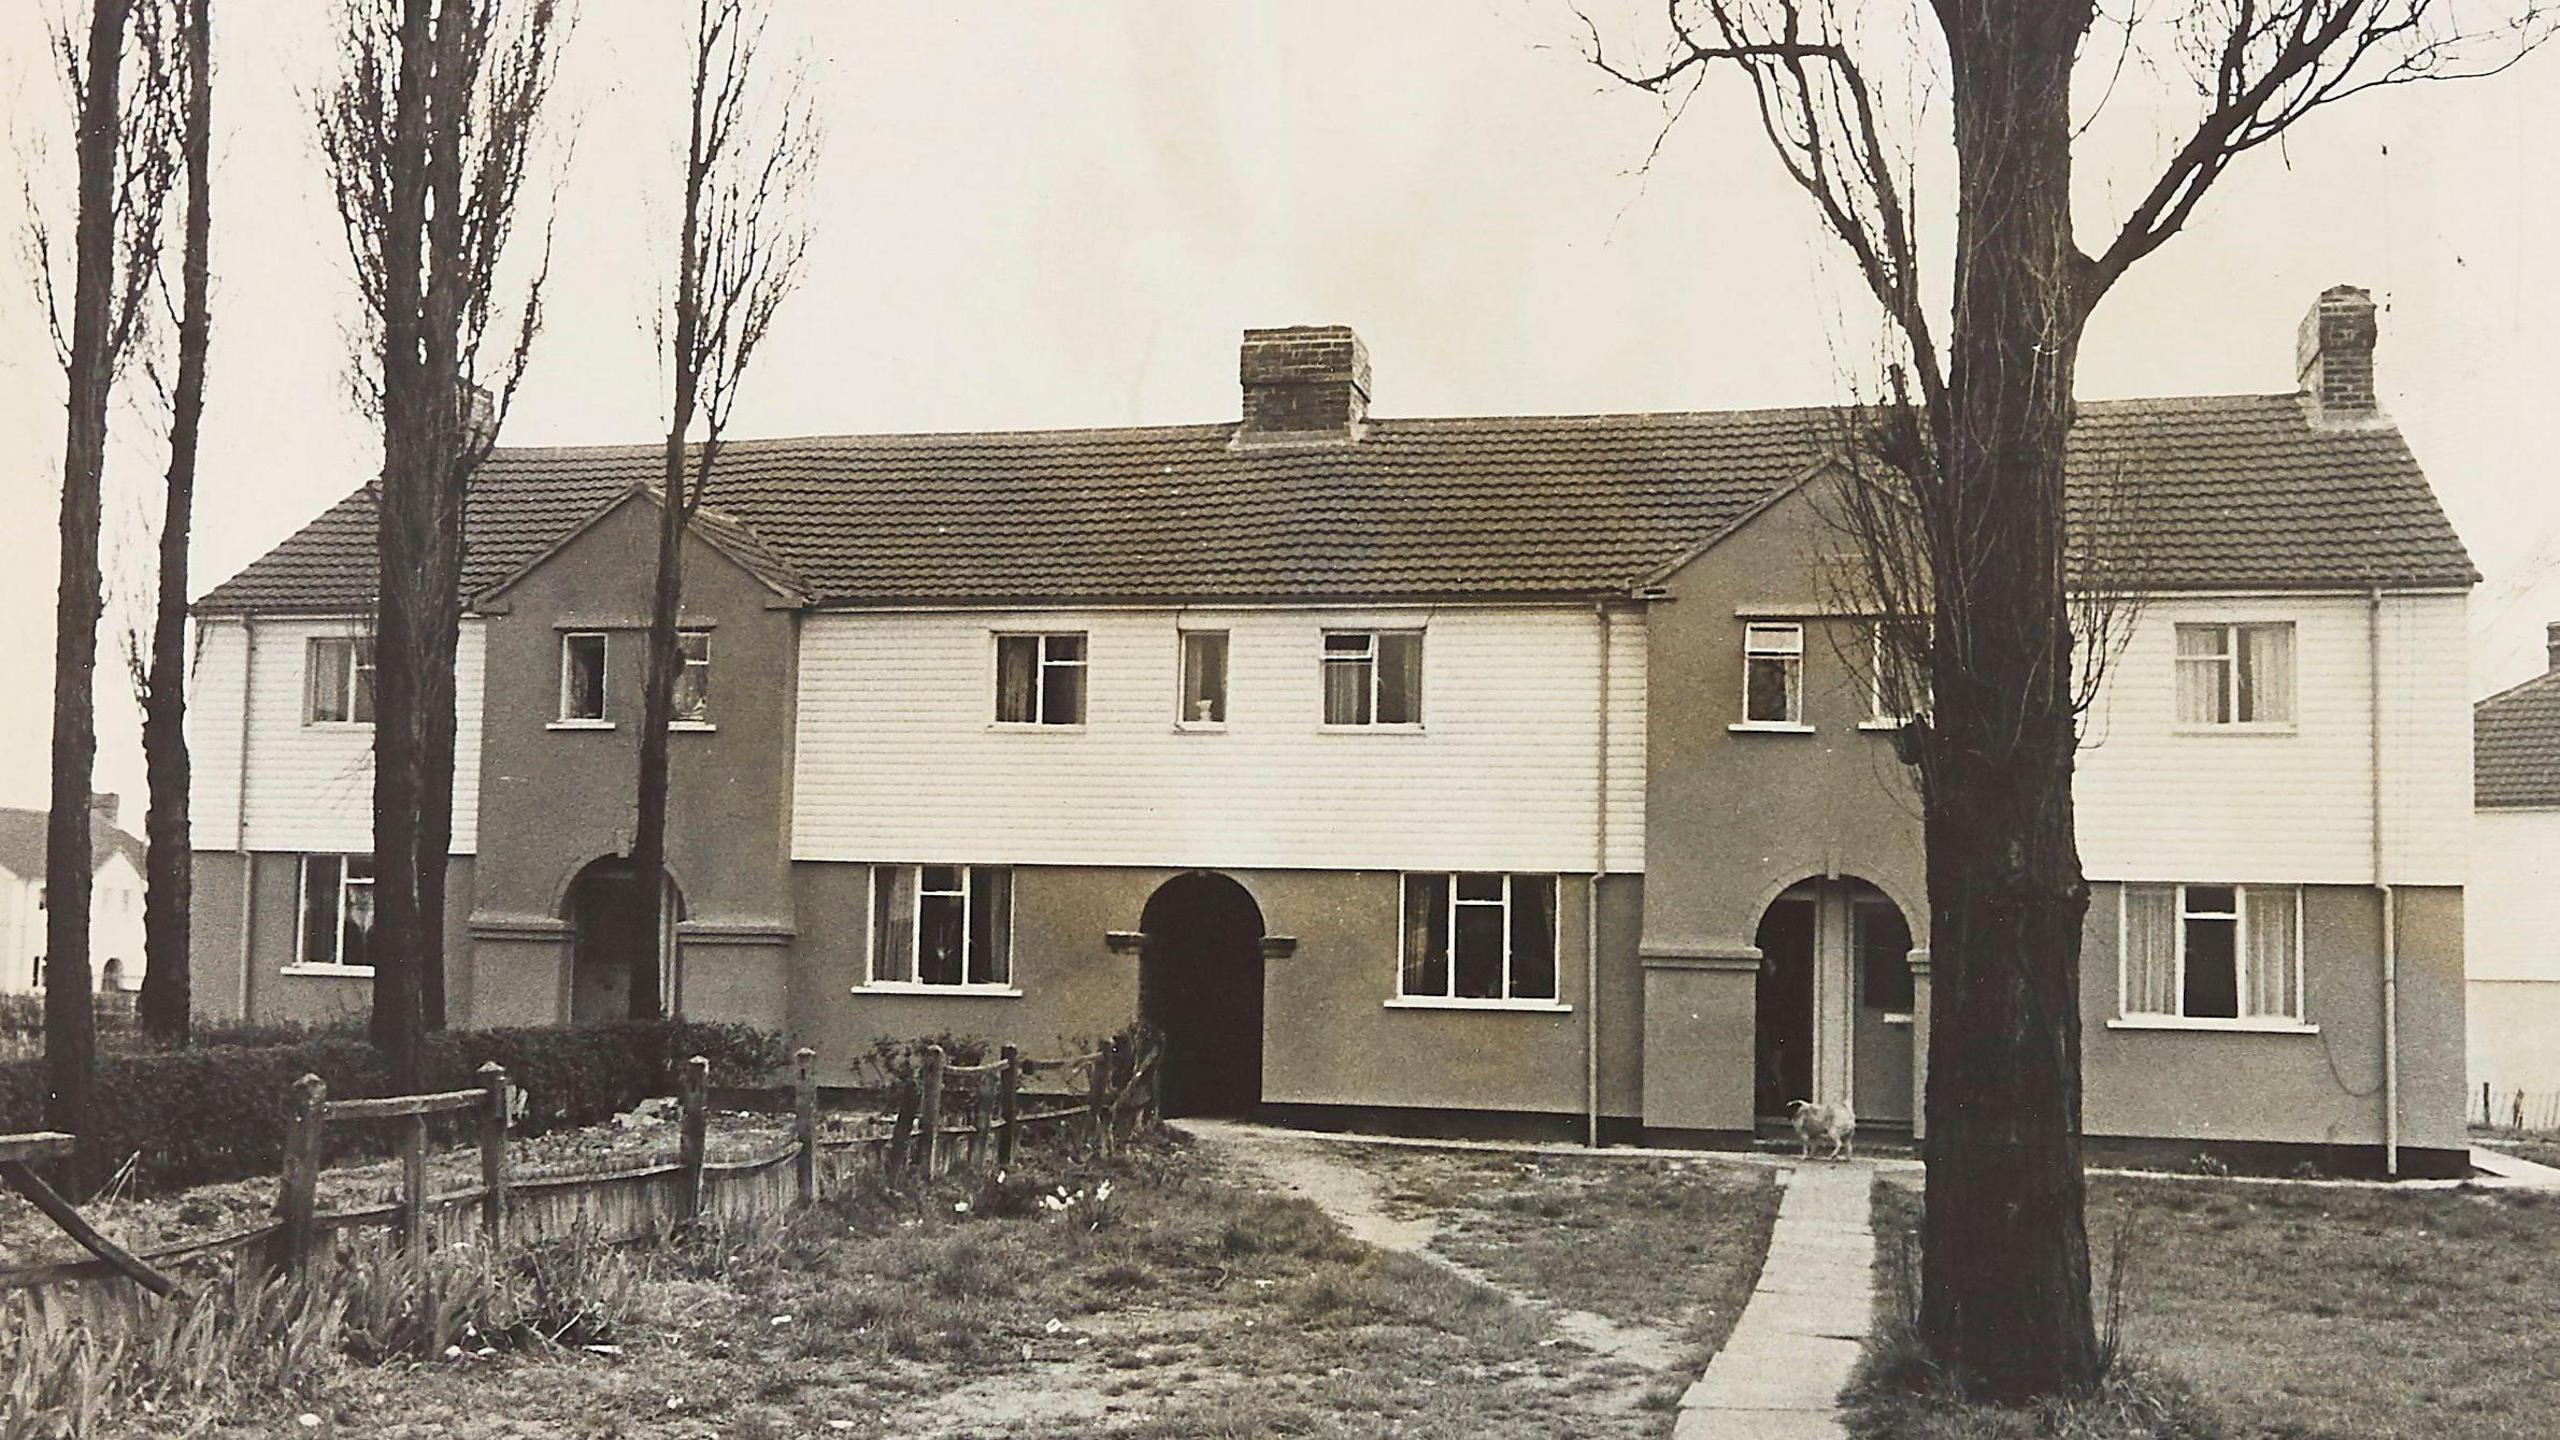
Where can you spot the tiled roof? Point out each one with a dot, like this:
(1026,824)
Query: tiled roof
(2232,491)
(2515,747)
(22,843)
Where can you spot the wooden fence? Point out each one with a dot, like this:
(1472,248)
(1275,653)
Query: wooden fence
(2521,1111)
(640,1203)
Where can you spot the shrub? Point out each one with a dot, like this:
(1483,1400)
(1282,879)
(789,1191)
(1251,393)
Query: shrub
(214,1113)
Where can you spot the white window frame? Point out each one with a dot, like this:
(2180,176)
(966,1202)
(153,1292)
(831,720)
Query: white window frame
(303,964)
(1878,716)
(1008,988)
(1370,656)
(603,718)
(353,667)
(1041,664)
(686,663)
(2127,1018)
(2228,659)
(1451,1000)
(1182,676)
(1770,640)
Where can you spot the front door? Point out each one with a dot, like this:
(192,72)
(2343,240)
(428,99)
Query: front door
(1200,989)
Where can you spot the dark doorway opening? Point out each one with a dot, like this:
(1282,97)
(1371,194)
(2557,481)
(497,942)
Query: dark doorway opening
(611,930)
(1200,987)
(1783,1051)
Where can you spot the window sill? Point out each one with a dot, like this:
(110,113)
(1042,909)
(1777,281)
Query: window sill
(692,727)
(337,725)
(1440,1002)
(1895,1017)
(2250,1026)
(1884,726)
(1033,727)
(1768,727)
(1369,729)
(578,725)
(356,972)
(2235,730)
(957,992)
(1200,727)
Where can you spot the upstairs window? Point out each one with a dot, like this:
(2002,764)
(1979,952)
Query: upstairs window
(693,677)
(582,677)
(1373,677)
(1040,679)
(1479,937)
(1773,674)
(2235,674)
(1901,658)
(338,688)
(2213,952)
(1204,678)
(337,912)
(942,925)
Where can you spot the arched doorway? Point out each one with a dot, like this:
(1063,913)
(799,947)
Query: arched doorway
(1834,1005)
(611,930)
(1200,987)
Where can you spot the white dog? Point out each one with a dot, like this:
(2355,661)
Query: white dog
(1835,1123)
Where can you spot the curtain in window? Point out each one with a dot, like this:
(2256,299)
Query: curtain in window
(1400,679)
(1017,678)
(2272,943)
(990,925)
(693,675)
(2201,663)
(2150,950)
(1533,937)
(893,923)
(2266,673)
(1426,935)
(327,663)
(1346,689)
(1204,677)
(320,876)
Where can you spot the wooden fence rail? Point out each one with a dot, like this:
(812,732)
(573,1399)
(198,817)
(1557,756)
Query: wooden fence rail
(637,1203)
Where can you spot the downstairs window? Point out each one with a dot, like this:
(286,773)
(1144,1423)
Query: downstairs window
(943,925)
(1479,937)
(2213,952)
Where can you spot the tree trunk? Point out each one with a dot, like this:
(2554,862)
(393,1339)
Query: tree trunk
(2005,1269)
(657,711)
(167,979)
(70,1026)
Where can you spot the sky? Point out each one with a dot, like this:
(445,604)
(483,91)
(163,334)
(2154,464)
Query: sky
(1032,215)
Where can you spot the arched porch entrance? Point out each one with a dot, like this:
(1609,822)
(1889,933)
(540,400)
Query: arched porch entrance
(611,930)
(1200,988)
(1833,1017)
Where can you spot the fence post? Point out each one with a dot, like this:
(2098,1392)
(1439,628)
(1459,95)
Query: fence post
(1097,1086)
(894,1159)
(693,1094)
(804,1117)
(929,1111)
(306,1112)
(1008,1105)
(413,1186)
(493,1154)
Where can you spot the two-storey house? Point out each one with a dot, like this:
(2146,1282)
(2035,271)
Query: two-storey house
(1497,774)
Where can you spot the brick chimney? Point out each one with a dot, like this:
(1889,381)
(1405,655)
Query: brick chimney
(2333,358)
(1305,384)
(104,804)
(2551,646)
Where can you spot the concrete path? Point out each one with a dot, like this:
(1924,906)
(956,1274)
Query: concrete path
(1780,1374)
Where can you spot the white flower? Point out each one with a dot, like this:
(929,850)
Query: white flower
(959,1207)
(307,1420)
(779,1320)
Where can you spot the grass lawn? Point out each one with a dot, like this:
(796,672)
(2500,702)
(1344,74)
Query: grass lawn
(1179,1306)
(2305,1311)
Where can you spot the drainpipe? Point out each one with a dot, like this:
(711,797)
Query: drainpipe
(2390,901)
(1591,903)
(240,804)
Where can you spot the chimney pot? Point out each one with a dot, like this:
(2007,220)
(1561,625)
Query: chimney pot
(1303,384)
(2333,357)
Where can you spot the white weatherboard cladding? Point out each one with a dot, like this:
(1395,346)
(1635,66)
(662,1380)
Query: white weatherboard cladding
(311,786)
(2511,923)
(2156,803)
(897,756)
(213,733)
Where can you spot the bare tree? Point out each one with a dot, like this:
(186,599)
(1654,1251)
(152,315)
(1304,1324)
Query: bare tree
(749,152)
(1971,434)
(167,991)
(124,166)
(429,135)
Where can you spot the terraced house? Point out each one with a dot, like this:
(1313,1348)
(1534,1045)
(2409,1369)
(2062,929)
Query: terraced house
(1506,774)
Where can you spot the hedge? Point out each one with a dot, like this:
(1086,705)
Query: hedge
(215,1113)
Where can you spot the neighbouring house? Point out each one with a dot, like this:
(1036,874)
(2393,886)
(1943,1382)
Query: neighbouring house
(115,900)
(2515,871)
(1496,774)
